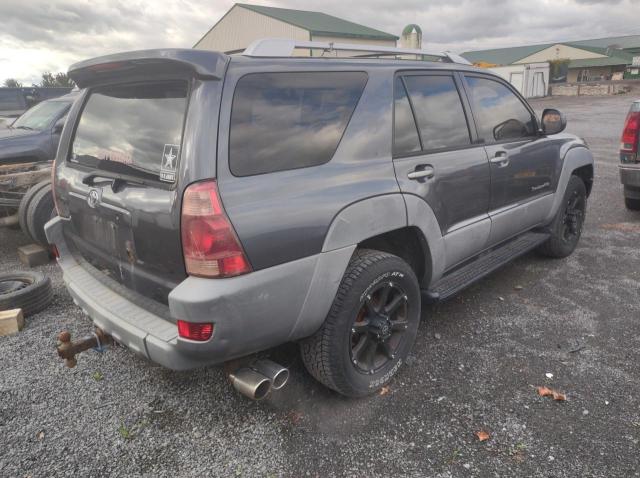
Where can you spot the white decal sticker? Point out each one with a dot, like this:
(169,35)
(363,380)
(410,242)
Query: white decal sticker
(169,162)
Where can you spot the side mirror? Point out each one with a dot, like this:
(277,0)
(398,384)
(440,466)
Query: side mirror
(57,127)
(553,122)
(510,129)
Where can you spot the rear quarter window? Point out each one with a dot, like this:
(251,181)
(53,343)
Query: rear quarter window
(282,121)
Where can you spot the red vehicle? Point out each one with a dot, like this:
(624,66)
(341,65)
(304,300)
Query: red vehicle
(630,167)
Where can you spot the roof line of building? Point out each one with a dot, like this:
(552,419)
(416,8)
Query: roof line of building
(550,43)
(270,12)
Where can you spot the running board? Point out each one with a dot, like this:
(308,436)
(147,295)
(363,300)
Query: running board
(484,265)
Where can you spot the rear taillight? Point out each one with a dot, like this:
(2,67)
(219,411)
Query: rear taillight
(61,209)
(631,135)
(209,243)
(195,331)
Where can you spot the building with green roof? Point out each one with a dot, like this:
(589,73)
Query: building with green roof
(585,60)
(245,23)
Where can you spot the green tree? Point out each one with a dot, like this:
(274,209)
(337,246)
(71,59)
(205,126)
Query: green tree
(12,83)
(57,80)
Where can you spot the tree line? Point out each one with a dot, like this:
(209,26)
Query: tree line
(49,80)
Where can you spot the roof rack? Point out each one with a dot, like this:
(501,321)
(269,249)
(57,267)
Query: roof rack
(279,47)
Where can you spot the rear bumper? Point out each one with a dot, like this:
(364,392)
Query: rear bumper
(250,313)
(630,175)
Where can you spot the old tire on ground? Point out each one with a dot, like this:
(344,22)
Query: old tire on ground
(370,328)
(23,210)
(41,210)
(29,291)
(632,204)
(566,227)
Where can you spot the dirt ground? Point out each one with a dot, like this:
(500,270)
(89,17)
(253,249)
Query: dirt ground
(475,366)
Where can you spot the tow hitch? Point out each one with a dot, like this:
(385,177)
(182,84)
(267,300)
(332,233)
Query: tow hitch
(68,350)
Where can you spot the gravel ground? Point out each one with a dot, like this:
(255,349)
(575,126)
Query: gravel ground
(475,366)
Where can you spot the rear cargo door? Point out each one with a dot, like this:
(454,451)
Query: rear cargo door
(121,172)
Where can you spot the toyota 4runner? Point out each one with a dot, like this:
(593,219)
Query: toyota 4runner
(214,206)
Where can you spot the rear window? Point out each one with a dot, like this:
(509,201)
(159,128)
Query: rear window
(283,121)
(133,129)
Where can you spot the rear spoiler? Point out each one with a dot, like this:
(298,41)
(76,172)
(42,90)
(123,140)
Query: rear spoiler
(148,63)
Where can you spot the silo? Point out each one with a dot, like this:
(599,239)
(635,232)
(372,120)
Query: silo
(412,37)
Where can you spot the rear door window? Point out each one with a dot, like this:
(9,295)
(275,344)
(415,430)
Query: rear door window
(282,121)
(405,131)
(133,129)
(439,112)
(499,113)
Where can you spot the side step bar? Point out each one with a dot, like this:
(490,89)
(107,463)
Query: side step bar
(485,264)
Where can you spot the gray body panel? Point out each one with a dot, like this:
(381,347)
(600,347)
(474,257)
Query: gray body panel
(250,313)
(299,227)
(285,215)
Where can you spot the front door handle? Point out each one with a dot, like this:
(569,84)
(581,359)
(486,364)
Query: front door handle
(501,159)
(424,172)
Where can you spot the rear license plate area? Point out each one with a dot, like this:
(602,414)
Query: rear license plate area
(106,228)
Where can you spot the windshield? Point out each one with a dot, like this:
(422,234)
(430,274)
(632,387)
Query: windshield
(41,116)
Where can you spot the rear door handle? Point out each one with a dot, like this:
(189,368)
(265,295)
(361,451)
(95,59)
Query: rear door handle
(423,172)
(501,159)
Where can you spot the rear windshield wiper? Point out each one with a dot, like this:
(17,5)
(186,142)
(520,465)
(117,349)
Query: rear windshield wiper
(24,127)
(116,182)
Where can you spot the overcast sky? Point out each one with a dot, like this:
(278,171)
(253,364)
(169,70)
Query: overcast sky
(41,35)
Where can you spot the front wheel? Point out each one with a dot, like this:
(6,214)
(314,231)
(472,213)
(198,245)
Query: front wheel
(370,328)
(566,227)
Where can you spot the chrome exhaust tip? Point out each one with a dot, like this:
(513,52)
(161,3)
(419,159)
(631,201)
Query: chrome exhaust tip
(276,373)
(250,383)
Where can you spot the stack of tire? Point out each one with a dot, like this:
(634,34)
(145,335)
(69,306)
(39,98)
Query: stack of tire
(36,208)
(26,290)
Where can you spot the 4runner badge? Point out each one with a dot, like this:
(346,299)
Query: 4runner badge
(169,162)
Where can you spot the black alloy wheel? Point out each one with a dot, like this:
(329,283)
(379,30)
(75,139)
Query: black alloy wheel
(379,327)
(573,216)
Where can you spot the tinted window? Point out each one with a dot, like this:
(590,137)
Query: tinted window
(290,120)
(405,135)
(133,129)
(439,112)
(499,113)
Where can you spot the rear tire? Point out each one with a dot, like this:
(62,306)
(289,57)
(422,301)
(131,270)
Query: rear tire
(370,328)
(29,291)
(23,209)
(566,227)
(632,204)
(41,210)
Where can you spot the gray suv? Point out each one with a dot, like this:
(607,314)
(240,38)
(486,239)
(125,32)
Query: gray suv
(214,206)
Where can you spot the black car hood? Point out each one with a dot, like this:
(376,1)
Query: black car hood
(7,133)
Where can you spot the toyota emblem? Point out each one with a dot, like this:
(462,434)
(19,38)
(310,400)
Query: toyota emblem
(93,198)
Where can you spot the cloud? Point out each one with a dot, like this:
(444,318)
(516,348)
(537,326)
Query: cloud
(40,35)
